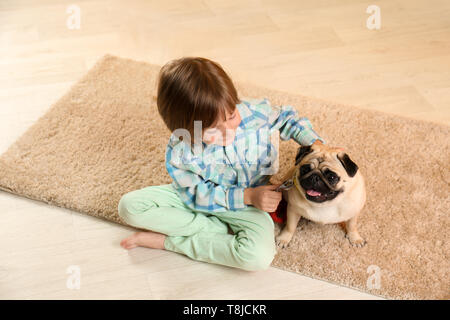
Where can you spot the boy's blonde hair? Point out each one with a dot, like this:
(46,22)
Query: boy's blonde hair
(194,88)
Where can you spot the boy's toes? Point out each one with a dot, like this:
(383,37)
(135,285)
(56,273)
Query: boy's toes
(129,243)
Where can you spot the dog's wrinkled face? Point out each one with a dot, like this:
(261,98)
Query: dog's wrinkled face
(323,172)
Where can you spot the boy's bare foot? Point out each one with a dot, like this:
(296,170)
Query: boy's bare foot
(149,239)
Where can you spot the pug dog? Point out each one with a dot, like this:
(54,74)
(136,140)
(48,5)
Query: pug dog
(325,187)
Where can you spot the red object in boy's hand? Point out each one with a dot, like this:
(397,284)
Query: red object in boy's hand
(279,215)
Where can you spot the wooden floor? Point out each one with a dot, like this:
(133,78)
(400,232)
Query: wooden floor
(315,48)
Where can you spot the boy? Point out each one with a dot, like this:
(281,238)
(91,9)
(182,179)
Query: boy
(220,157)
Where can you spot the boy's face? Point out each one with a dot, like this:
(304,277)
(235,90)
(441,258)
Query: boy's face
(224,131)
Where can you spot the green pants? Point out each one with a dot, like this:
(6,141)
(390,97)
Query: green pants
(202,235)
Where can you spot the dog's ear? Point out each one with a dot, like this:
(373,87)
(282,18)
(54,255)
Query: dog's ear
(301,153)
(348,164)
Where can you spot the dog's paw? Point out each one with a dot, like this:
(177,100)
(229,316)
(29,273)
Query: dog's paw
(283,239)
(356,240)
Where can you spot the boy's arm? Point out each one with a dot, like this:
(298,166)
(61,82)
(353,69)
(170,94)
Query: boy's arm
(248,196)
(285,118)
(198,193)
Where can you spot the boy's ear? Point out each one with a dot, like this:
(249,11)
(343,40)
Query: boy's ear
(301,153)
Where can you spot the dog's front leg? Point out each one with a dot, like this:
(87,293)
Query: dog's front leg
(285,236)
(352,233)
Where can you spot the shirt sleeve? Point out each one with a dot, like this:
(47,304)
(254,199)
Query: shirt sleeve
(285,118)
(196,192)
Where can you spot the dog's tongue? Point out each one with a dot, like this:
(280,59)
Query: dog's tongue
(313,193)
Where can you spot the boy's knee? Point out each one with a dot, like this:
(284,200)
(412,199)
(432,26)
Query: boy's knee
(259,261)
(128,206)
(258,256)
(122,207)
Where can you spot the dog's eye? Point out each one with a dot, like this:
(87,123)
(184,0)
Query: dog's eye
(331,176)
(304,169)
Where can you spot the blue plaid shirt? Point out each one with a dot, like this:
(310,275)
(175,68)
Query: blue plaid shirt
(212,178)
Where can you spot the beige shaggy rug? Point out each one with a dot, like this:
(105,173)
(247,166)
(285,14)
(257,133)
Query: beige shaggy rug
(104,138)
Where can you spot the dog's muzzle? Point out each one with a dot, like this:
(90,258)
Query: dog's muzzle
(317,188)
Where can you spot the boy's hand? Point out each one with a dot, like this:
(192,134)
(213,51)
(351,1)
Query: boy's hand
(263,197)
